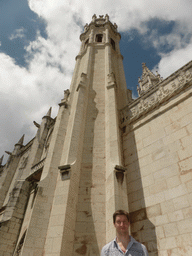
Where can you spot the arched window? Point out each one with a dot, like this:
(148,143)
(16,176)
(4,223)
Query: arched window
(99,38)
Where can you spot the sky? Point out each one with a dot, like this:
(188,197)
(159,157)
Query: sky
(39,40)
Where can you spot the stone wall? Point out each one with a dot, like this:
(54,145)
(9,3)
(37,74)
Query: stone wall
(158,156)
(12,218)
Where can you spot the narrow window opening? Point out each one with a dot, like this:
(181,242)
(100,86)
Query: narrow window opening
(113,44)
(99,38)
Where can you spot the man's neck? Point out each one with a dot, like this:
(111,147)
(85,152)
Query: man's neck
(123,239)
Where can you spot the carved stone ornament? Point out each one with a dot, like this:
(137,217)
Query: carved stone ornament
(147,80)
(66,95)
(64,101)
(86,27)
(106,17)
(157,95)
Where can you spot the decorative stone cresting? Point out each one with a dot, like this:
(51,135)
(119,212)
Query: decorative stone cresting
(157,94)
(38,166)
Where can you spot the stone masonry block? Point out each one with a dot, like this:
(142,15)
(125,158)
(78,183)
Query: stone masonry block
(180,202)
(153,211)
(175,216)
(171,229)
(185,226)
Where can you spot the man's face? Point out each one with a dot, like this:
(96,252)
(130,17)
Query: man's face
(122,225)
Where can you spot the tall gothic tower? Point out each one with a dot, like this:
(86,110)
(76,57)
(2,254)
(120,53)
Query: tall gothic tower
(59,191)
(82,181)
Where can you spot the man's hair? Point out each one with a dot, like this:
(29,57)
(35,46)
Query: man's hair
(120,212)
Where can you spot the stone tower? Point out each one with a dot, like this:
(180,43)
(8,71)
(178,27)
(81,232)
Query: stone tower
(82,181)
(104,151)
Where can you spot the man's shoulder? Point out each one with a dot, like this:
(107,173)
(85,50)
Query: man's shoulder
(138,247)
(106,248)
(109,245)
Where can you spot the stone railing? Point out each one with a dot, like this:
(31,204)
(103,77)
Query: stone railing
(38,166)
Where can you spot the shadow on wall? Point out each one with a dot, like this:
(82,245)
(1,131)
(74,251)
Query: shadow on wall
(142,229)
(86,237)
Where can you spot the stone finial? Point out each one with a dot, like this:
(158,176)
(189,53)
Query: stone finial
(106,17)
(138,90)
(1,160)
(94,18)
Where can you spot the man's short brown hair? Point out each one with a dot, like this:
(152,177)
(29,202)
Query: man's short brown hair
(120,212)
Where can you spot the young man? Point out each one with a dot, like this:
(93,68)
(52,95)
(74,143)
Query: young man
(123,244)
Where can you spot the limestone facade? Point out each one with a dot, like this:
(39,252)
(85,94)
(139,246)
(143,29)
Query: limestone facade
(104,151)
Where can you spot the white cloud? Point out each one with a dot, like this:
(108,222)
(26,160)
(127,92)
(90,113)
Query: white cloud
(18,33)
(27,93)
(174,60)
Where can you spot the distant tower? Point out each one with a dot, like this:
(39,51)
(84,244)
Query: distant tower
(82,181)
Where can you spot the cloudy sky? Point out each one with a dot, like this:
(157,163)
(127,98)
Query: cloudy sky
(39,40)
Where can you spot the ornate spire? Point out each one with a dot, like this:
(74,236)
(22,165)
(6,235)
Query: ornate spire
(147,80)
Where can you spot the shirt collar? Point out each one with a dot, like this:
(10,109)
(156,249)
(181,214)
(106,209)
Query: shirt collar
(132,240)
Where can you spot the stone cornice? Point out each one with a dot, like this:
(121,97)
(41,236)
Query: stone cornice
(157,95)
